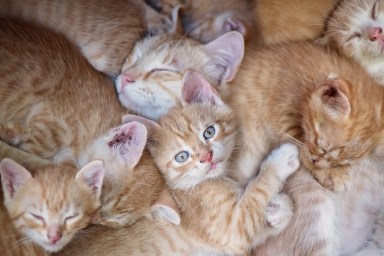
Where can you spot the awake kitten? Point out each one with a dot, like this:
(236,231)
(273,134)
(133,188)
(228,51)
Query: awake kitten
(150,83)
(207,20)
(105,31)
(355,30)
(51,205)
(53,104)
(192,146)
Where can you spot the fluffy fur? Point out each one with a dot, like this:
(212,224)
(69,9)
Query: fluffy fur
(56,106)
(104,31)
(49,207)
(355,30)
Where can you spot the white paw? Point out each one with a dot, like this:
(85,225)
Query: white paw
(279,212)
(285,159)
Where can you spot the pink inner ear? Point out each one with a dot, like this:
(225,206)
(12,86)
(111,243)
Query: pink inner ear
(92,175)
(335,99)
(129,141)
(197,89)
(13,176)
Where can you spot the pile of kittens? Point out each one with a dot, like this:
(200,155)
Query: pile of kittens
(180,127)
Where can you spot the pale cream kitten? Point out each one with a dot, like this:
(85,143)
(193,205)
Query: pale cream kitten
(105,31)
(55,105)
(355,29)
(217,216)
(192,146)
(51,205)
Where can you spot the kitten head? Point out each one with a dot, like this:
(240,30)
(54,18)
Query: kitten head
(150,83)
(356,29)
(53,204)
(336,129)
(193,142)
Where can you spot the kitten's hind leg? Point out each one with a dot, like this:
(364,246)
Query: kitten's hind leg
(279,213)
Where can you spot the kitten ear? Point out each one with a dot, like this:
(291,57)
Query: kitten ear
(334,97)
(92,175)
(177,27)
(148,123)
(13,176)
(195,88)
(227,51)
(165,208)
(128,142)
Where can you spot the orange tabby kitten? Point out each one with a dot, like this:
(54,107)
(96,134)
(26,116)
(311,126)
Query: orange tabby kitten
(192,145)
(290,20)
(206,20)
(55,105)
(105,31)
(305,92)
(49,207)
(355,30)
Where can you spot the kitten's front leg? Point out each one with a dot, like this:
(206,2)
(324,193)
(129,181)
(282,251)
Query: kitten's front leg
(279,213)
(12,132)
(335,179)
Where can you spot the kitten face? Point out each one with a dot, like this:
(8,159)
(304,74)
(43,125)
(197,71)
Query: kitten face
(356,28)
(52,206)
(332,138)
(194,144)
(150,83)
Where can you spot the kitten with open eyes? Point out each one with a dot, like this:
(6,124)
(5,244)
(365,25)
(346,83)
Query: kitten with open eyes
(192,145)
(53,104)
(355,30)
(207,20)
(51,205)
(104,31)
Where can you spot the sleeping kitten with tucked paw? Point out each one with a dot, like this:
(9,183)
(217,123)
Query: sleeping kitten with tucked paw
(355,29)
(49,206)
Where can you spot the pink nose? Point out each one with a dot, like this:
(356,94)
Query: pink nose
(207,157)
(374,33)
(127,79)
(54,236)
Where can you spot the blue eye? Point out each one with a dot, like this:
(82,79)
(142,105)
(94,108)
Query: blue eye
(209,132)
(182,156)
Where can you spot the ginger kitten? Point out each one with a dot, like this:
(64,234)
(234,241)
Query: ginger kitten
(51,205)
(355,30)
(105,31)
(53,104)
(192,145)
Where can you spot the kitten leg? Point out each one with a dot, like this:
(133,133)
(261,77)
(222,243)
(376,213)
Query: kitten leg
(11,132)
(335,179)
(279,213)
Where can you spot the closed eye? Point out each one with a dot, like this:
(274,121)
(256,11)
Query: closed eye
(374,11)
(163,70)
(353,36)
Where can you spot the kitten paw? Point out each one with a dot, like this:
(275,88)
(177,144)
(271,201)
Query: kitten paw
(285,159)
(336,179)
(279,212)
(11,133)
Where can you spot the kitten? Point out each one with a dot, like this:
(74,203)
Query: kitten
(291,20)
(207,20)
(216,215)
(355,30)
(150,83)
(192,146)
(53,104)
(104,31)
(49,207)
(316,100)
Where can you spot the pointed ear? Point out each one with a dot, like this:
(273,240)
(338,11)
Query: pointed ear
(195,88)
(177,27)
(13,176)
(148,123)
(227,51)
(128,142)
(165,208)
(92,175)
(334,97)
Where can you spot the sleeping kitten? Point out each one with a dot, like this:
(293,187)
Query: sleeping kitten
(53,104)
(355,30)
(105,31)
(192,146)
(206,20)
(49,207)
(150,83)
(291,20)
